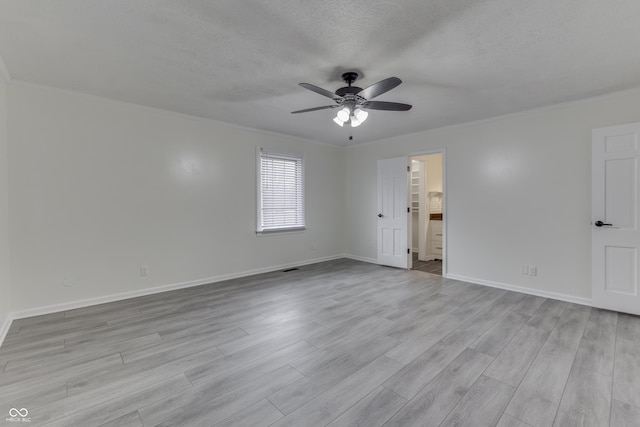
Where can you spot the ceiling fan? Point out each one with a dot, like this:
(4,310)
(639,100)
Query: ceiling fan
(354,101)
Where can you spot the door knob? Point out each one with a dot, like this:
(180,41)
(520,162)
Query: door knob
(600,224)
(380,215)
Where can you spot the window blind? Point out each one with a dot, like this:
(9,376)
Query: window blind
(280,192)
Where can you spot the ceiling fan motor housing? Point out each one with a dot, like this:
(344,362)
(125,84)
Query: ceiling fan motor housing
(350,92)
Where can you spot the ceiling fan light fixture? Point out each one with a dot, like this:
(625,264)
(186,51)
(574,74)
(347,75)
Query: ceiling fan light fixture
(361,114)
(355,122)
(344,114)
(338,121)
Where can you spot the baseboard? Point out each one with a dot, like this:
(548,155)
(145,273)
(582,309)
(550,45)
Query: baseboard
(360,258)
(4,329)
(39,311)
(522,289)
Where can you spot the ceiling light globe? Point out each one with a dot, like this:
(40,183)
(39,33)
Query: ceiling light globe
(361,114)
(338,121)
(344,114)
(355,122)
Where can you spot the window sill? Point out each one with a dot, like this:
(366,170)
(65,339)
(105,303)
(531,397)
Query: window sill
(281,231)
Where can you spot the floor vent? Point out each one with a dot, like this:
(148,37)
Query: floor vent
(290,269)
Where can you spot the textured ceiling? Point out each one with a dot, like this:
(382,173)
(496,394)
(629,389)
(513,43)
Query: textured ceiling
(240,61)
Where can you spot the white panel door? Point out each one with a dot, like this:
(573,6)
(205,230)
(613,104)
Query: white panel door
(615,239)
(393,215)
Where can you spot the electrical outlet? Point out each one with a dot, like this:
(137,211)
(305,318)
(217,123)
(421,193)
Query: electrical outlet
(533,270)
(144,270)
(524,269)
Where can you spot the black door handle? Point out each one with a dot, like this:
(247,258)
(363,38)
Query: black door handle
(600,224)
(380,215)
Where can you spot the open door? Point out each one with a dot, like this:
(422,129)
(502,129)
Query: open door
(393,212)
(615,238)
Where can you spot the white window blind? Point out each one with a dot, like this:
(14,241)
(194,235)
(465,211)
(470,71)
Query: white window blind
(280,192)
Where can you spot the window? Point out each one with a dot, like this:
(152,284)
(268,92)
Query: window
(280,192)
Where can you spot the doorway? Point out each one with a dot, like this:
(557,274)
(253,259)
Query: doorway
(427,213)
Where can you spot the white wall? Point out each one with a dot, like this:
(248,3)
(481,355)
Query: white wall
(433,164)
(518,192)
(4,212)
(99,188)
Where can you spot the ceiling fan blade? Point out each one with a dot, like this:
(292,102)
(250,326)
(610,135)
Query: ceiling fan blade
(314,109)
(321,91)
(388,106)
(379,88)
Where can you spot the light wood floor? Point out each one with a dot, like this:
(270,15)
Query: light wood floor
(341,343)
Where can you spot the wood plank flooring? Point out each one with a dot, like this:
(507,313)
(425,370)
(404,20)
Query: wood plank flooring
(340,343)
